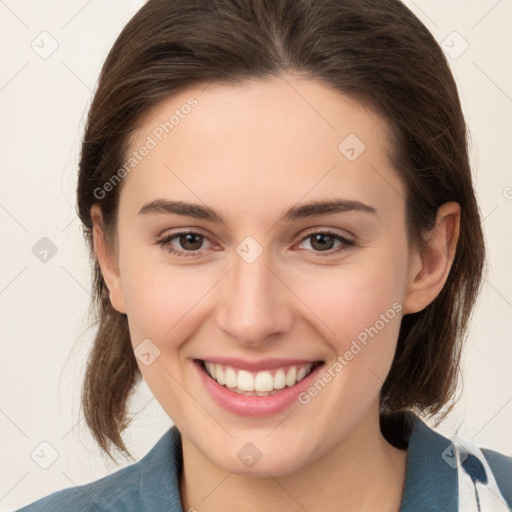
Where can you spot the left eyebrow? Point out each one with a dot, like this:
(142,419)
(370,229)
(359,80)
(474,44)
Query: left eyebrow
(315,208)
(296,212)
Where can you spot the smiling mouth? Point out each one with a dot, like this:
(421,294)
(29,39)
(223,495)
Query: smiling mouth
(262,383)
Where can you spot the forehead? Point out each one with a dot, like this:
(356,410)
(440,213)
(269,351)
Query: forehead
(281,139)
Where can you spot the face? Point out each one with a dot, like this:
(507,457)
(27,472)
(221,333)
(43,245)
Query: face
(256,281)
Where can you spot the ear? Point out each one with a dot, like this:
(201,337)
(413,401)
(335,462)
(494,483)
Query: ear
(429,268)
(107,260)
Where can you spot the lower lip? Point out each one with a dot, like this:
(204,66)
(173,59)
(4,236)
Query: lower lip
(245,405)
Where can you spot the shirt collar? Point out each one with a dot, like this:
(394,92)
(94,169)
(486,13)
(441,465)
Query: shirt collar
(160,474)
(430,482)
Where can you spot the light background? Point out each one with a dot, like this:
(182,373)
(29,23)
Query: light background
(43,330)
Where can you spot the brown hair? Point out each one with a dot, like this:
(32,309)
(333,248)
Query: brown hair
(376,51)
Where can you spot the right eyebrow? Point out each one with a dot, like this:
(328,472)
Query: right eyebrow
(180,208)
(312,209)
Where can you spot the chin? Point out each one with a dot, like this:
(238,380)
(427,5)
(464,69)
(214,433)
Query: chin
(276,459)
(263,469)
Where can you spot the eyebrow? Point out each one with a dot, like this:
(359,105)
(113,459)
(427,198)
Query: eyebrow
(311,209)
(328,207)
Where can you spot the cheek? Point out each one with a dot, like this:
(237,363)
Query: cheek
(359,312)
(166,306)
(349,299)
(163,301)
(358,309)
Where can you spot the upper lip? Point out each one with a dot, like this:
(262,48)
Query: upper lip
(256,366)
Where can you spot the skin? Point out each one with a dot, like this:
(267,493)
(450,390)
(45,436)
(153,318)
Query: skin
(250,152)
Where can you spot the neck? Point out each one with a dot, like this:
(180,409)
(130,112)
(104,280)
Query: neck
(363,472)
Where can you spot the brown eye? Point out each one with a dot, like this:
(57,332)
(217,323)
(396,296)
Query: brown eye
(325,242)
(322,241)
(184,243)
(191,241)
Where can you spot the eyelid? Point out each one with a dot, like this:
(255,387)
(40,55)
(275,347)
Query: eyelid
(180,230)
(349,237)
(171,236)
(346,242)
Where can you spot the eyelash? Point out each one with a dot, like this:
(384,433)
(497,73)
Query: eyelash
(346,243)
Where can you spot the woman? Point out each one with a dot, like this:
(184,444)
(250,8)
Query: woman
(287,248)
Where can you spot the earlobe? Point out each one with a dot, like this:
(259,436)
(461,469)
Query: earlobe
(429,269)
(107,261)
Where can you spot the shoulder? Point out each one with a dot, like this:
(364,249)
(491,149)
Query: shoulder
(149,484)
(448,474)
(459,463)
(501,467)
(117,491)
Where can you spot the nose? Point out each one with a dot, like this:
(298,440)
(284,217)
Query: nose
(255,303)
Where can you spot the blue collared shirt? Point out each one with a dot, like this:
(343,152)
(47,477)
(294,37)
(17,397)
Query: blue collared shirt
(153,483)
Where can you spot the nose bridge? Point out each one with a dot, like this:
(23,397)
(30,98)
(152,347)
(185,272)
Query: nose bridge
(254,304)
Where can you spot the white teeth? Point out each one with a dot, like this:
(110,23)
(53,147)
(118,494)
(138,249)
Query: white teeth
(300,374)
(210,367)
(245,381)
(291,376)
(279,379)
(219,373)
(264,381)
(230,377)
(260,383)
